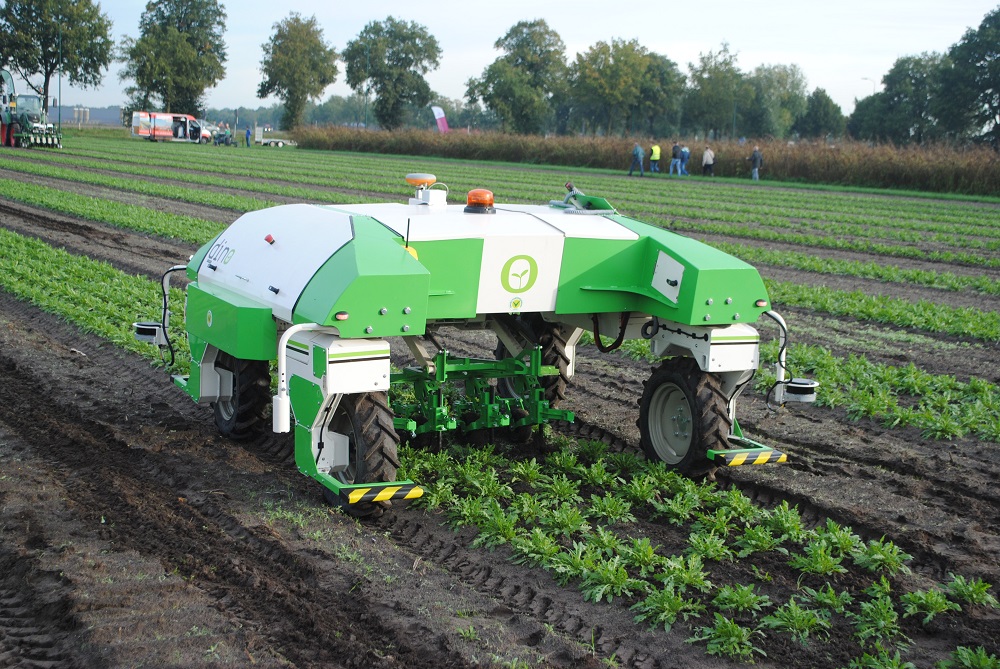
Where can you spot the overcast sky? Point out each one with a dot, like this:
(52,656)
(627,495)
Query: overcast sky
(842,46)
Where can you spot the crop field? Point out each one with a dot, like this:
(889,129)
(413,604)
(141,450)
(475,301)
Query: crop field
(131,534)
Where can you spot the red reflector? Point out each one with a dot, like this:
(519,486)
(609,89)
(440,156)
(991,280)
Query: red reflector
(341,315)
(269,239)
(761,303)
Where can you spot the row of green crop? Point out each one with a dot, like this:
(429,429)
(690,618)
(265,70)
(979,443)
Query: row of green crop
(383,173)
(582,515)
(132,184)
(867,270)
(701,217)
(940,406)
(132,217)
(92,295)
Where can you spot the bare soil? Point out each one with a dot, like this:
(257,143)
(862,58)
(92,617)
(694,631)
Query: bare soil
(133,535)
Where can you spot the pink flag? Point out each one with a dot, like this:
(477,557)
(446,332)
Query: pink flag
(441,120)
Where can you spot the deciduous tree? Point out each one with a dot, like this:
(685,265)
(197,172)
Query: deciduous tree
(297,66)
(970,92)
(36,34)
(607,80)
(822,117)
(178,55)
(391,57)
(519,85)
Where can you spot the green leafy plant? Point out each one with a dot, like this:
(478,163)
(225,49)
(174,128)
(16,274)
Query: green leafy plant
(841,540)
(497,527)
(740,598)
(964,657)
(641,554)
(729,639)
(662,608)
(972,590)
(573,563)
(563,489)
(535,548)
(882,555)
(609,578)
(880,660)
(528,471)
(757,539)
(877,624)
(927,603)
(708,545)
(683,573)
(565,519)
(817,559)
(829,599)
(799,622)
(611,508)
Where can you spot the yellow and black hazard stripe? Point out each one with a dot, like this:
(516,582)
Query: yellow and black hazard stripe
(749,456)
(381,493)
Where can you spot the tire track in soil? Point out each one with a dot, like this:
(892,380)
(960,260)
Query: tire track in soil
(250,574)
(37,628)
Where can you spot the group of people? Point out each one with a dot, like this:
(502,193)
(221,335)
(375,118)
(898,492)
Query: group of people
(225,135)
(679,157)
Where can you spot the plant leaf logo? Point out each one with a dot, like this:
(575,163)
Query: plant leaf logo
(519,274)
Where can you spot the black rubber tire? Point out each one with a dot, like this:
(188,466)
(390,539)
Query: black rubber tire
(243,416)
(367,421)
(682,414)
(15,128)
(553,353)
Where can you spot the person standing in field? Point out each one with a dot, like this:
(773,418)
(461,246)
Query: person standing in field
(654,159)
(675,159)
(248,136)
(756,162)
(637,157)
(685,157)
(708,162)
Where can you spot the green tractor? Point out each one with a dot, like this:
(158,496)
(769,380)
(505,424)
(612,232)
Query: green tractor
(23,121)
(316,292)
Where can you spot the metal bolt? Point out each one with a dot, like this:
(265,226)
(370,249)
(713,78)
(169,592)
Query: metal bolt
(383,311)
(369,329)
(708,317)
(736,317)
(709,301)
(406,310)
(729,300)
(406,328)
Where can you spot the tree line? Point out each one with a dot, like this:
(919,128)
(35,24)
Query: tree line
(617,87)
